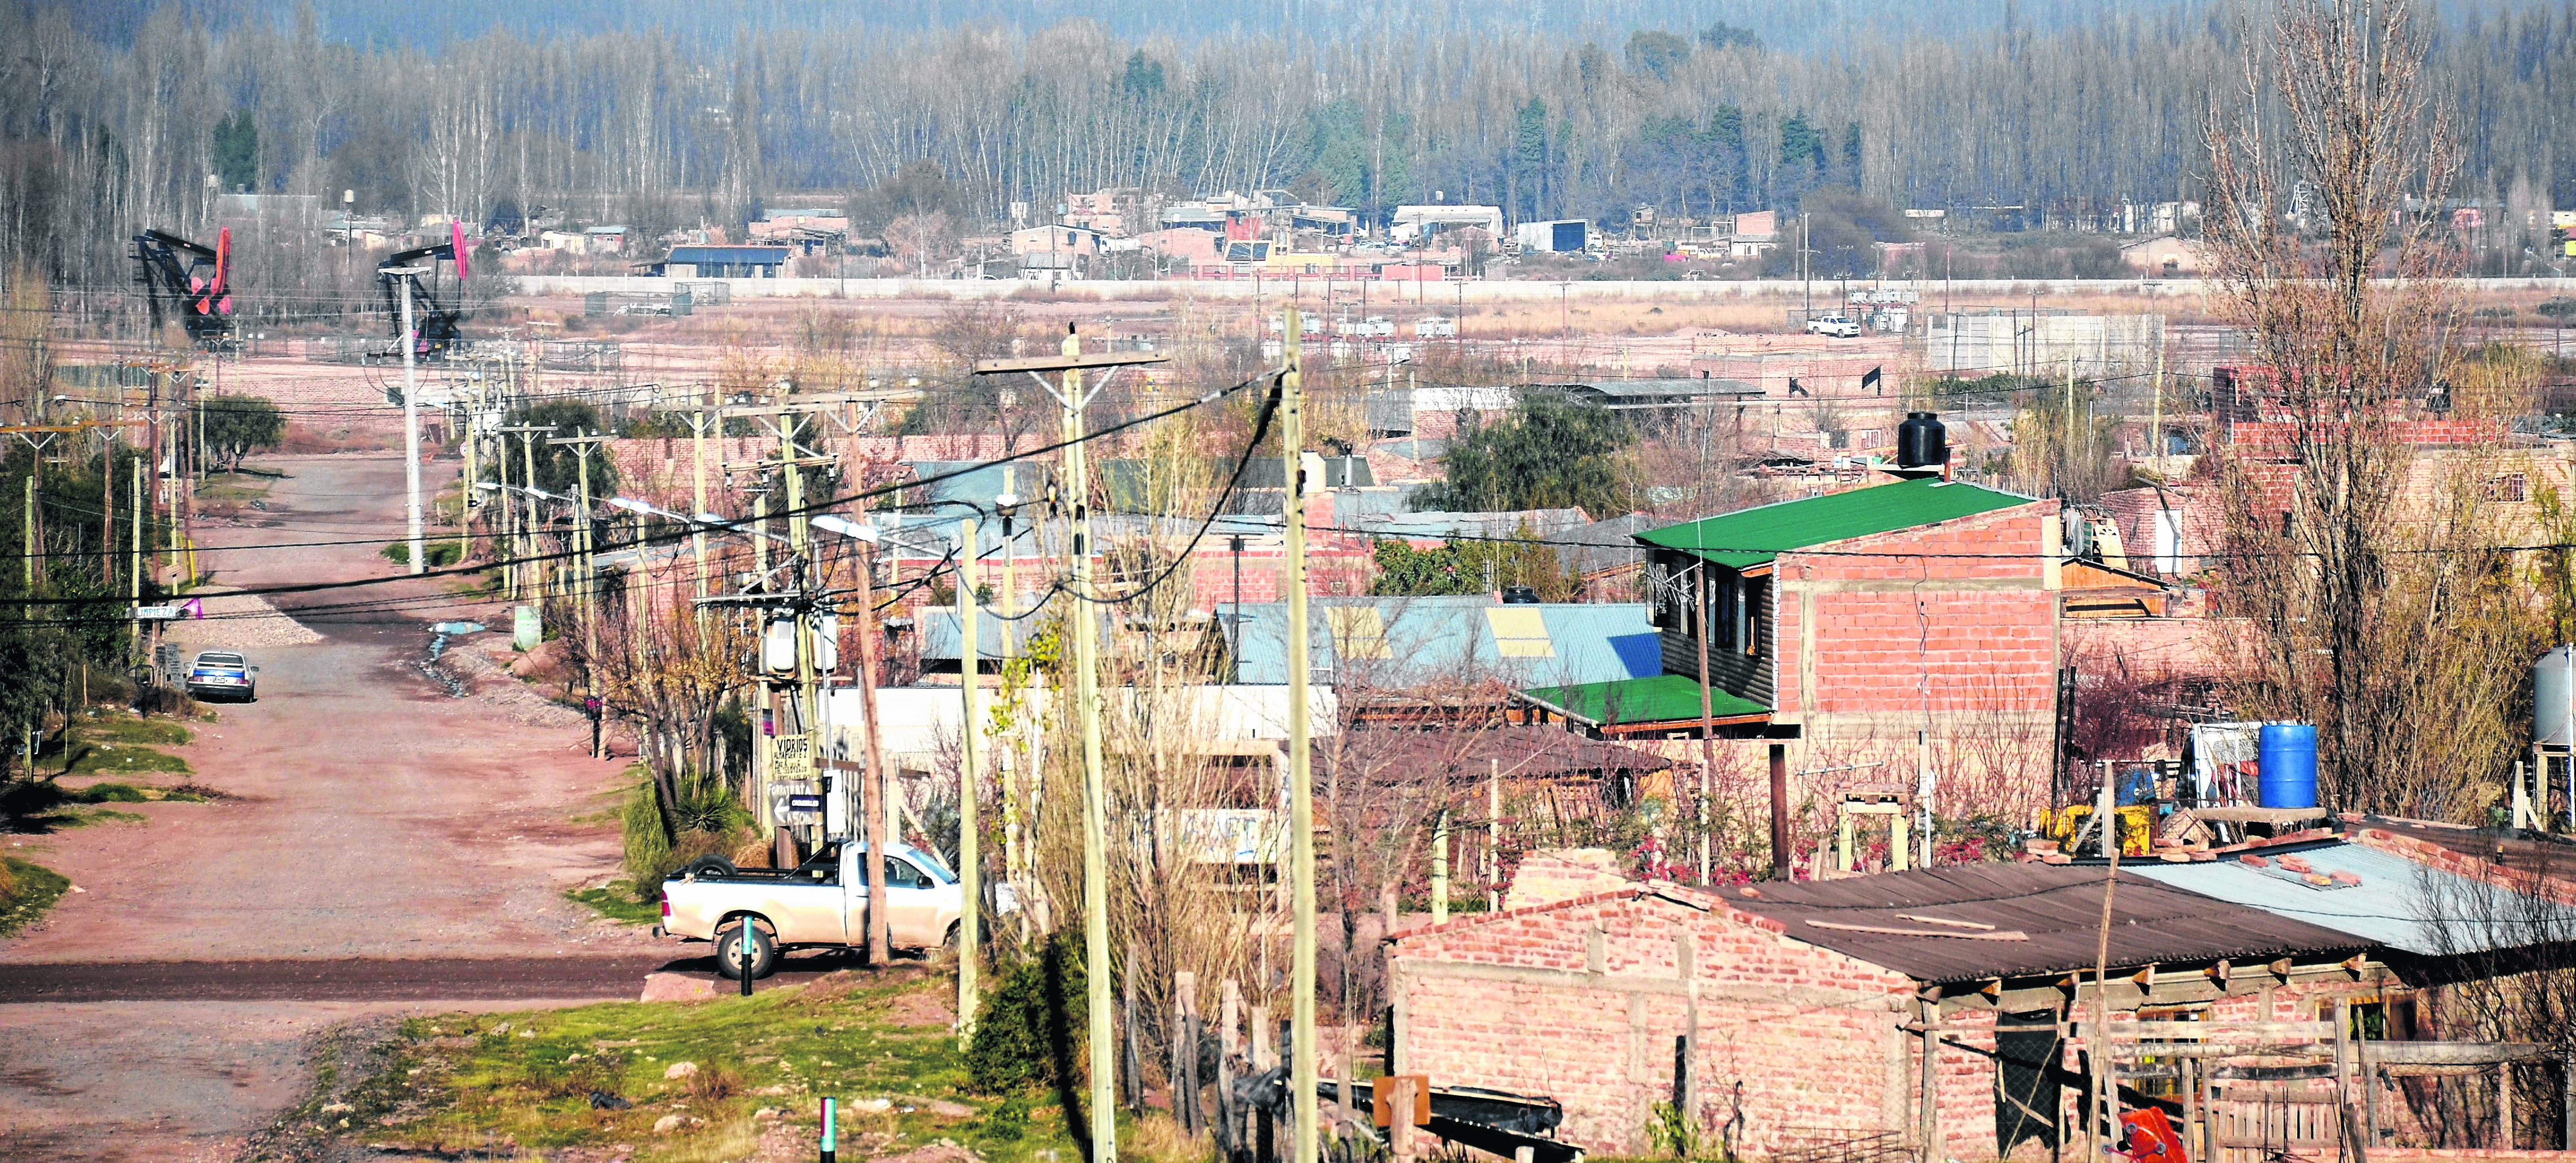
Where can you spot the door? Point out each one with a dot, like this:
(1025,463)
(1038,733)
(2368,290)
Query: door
(912,913)
(809,905)
(912,896)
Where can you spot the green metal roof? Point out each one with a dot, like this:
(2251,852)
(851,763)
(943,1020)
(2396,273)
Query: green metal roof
(1752,537)
(1665,698)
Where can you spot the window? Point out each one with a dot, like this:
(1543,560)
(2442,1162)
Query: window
(1749,612)
(2513,487)
(900,873)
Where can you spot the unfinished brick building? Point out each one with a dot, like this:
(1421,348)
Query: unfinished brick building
(1861,631)
(1789,1015)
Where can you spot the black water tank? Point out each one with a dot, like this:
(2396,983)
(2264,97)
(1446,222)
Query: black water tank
(1921,442)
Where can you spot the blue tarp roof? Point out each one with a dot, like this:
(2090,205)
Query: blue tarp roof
(2400,904)
(1407,642)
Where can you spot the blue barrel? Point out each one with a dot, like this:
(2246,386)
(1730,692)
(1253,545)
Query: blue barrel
(2288,766)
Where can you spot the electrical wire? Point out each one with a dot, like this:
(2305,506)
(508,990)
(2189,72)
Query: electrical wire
(823,505)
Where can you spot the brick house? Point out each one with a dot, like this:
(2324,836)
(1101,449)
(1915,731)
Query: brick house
(1795,1012)
(1838,627)
(1788,1006)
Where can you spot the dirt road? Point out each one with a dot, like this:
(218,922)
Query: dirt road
(386,838)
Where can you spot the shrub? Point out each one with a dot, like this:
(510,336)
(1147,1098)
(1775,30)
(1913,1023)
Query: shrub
(441,554)
(1027,1030)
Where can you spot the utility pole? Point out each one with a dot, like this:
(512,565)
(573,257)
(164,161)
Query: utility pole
(1086,634)
(698,454)
(1700,578)
(1095,807)
(2156,451)
(1806,285)
(411,427)
(589,596)
(1301,783)
(969,778)
(524,573)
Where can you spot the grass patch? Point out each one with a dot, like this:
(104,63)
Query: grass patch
(618,901)
(459,1082)
(121,759)
(48,805)
(27,889)
(224,486)
(441,554)
(123,728)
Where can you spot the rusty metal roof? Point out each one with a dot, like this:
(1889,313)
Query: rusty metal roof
(2057,909)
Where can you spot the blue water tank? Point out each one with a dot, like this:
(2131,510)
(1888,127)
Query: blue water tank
(2287,766)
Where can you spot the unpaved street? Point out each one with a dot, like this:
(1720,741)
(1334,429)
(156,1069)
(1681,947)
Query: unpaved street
(385,836)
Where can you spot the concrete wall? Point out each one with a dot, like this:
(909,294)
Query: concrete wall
(1474,290)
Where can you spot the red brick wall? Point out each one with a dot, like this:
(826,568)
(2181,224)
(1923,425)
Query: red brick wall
(1974,650)
(1810,1035)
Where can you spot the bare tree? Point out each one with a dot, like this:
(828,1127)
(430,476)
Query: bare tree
(2361,566)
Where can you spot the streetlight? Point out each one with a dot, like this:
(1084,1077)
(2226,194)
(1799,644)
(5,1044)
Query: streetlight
(844,527)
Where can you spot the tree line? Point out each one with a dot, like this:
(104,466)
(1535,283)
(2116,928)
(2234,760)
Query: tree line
(100,137)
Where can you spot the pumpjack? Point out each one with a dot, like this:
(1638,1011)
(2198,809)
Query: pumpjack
(437,302)
(193,279)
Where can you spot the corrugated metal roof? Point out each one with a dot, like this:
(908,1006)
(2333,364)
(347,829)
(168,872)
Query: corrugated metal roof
(2399,903)
(1395,643)
(2057,907)
(770,255)
(1754,536)
(1648,392)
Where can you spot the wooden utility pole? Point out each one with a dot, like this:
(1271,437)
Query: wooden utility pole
(1086,666)
(969,780)
(1707,710)
(1301,783)
(525,573)
(583,447)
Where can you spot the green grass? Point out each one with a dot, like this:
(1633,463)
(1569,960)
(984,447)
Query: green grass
(121,759)
(616,901)
(459,1081)
(122,728)
(26,891)
(441,554)
(233,487)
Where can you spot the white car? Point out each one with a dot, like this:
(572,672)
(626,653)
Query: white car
(822,903)
(1834,326)
(223,672)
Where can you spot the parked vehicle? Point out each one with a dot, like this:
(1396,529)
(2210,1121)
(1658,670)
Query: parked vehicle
(822,903)
(1835,326)
(224,673)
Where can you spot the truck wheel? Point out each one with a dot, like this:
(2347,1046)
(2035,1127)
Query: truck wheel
(706,865)
(764,952)
(948,944)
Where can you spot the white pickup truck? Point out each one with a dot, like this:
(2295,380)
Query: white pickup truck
(820,903)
